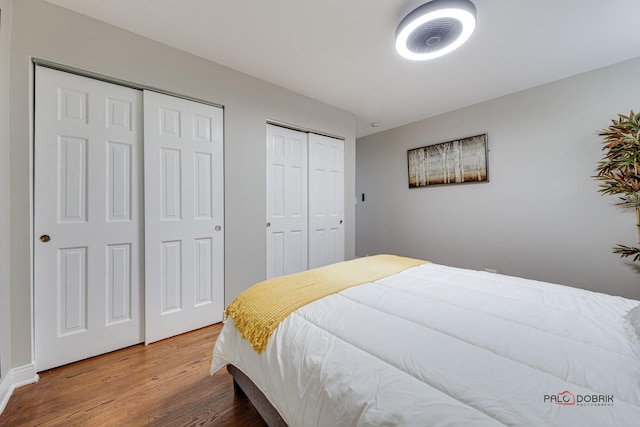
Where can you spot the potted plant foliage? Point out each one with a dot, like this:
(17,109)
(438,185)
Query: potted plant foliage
(619,170)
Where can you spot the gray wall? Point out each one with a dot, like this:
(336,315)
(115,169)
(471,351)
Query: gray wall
(540,216)
(5,306)
(48,32)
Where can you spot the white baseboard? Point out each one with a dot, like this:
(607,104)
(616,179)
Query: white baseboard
(16,377)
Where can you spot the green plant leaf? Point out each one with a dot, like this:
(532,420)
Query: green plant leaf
(619,170)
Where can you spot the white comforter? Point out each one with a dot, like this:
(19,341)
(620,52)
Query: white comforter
(436,346)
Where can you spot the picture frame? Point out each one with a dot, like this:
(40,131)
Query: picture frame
(459,161)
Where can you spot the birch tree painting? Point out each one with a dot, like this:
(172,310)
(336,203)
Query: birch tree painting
(453,162)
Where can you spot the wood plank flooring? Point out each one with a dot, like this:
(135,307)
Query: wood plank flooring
(164,384)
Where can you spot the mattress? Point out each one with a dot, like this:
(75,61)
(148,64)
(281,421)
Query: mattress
(437,345)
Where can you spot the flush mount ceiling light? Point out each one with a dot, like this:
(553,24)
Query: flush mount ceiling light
(435,29)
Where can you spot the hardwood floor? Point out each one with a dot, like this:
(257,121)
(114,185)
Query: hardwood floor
(164,384)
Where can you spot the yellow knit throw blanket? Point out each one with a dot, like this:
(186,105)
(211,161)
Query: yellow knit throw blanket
(257,311)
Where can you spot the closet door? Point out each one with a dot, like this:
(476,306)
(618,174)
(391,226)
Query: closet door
(184,238)
(88,218)
(286,220)
(326,200)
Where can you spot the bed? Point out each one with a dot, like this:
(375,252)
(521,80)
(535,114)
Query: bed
(436,345)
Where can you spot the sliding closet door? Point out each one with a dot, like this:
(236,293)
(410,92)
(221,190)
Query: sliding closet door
(88,218)
(326,200)
(286,201)
(184,238)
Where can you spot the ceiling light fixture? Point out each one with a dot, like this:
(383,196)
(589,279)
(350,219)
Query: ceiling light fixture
(435,29)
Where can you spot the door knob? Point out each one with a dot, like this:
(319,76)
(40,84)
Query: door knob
(340,221)
(45,238)
(218,228)
(268,224)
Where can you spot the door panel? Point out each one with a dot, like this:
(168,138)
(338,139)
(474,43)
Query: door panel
(286,201)
(184,213)
(326,200)
(87,176)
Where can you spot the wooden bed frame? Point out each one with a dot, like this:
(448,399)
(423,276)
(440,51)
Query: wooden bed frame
(242,385)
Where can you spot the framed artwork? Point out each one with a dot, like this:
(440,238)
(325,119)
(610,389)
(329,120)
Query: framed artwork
(461,161)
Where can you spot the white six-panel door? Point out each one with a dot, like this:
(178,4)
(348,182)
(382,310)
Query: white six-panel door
(184,211)
(88,219)
(89,225)
(286,201)
(326,200)
(305,200)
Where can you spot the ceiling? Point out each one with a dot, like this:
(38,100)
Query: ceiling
(341,51)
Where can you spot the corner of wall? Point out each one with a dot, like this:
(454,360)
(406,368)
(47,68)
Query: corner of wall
(14,379)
